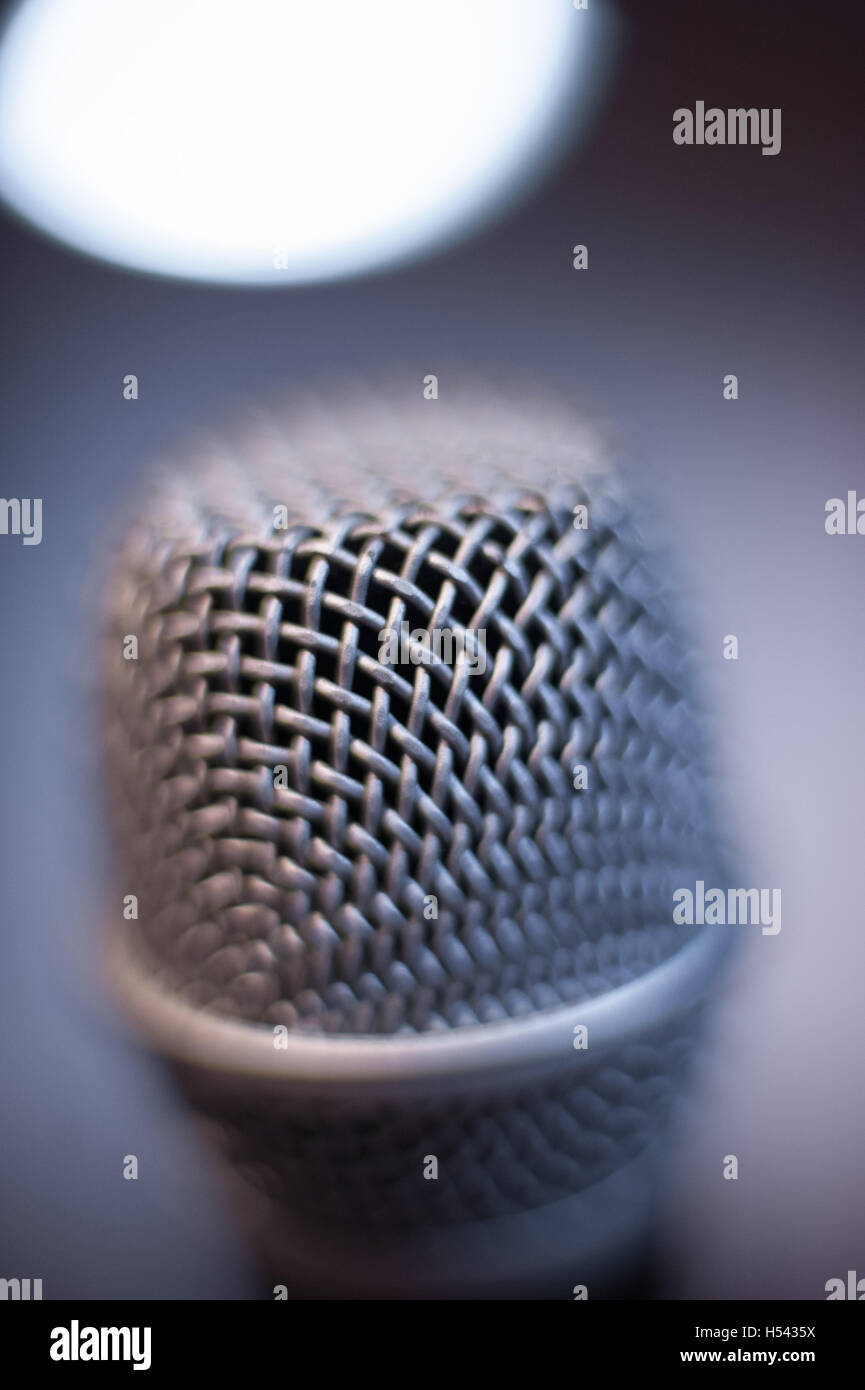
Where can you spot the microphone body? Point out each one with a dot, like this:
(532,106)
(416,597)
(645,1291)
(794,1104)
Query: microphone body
(404,771)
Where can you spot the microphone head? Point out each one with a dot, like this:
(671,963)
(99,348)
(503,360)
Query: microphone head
(404,767)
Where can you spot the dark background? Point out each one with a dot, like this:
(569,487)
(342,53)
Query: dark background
(702,261)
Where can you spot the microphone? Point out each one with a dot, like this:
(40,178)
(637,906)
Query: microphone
(404,765)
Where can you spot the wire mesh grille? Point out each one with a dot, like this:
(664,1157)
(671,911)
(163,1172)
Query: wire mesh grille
(344,844)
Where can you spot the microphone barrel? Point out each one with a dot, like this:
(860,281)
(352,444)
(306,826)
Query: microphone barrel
(403,919)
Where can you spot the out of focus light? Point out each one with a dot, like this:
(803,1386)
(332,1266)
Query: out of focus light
(280,140)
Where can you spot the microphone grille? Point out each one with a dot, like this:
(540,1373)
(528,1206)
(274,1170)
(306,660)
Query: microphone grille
(336,827)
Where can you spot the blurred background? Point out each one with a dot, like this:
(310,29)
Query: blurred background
(701,262)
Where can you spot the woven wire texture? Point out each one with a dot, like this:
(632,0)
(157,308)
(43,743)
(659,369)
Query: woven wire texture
(344,845)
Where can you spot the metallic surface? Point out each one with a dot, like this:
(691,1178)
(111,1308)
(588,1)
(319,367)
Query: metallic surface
(407,1032)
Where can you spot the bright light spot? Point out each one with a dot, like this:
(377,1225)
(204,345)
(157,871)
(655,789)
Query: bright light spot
(279,140)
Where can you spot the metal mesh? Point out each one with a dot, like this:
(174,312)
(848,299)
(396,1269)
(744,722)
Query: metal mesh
(424,861)
(331,840)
